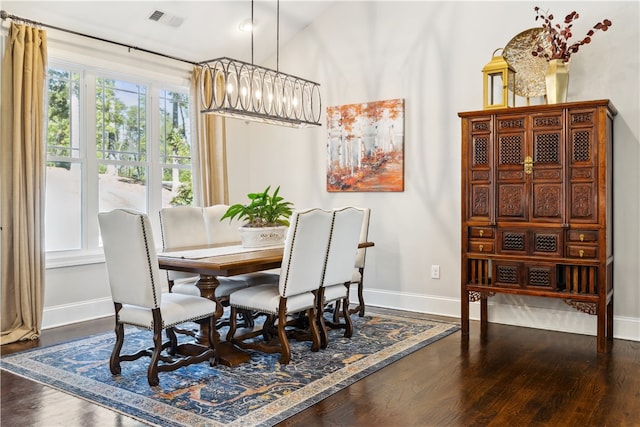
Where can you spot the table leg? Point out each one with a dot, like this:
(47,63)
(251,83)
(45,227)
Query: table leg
(228,354)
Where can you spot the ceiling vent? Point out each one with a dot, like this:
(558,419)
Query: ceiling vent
(165,18)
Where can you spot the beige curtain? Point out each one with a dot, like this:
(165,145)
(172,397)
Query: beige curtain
(210,170)
(22,154)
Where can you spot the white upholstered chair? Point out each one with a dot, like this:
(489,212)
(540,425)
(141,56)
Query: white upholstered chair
(341,257)
(135,281)
(358,271)
(301,274)
(184,226)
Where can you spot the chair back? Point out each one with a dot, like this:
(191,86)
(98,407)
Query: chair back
(343,245)
(364,236)
(130,254)
(182,226)
(221,231)
(305,251)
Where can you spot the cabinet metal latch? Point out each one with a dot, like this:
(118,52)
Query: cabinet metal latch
(528,165)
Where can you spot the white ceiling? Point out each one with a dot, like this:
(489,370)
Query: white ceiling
(209,29)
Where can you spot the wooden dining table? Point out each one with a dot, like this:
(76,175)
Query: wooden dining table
(213,261)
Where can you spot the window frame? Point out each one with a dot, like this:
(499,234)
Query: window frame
(91,250)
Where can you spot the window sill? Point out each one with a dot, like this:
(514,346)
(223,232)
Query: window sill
(71,259)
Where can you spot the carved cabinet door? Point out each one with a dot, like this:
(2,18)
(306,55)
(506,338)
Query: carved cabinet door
(480,207)
(511,180)
(583,166)
(529,164)
(547,173)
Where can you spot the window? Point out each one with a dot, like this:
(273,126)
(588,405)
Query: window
(113,142)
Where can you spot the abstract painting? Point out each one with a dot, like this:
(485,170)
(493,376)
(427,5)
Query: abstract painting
(365,147)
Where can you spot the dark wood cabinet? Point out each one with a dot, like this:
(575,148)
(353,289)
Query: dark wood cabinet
(537,207)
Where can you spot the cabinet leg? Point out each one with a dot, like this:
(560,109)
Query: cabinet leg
(610,319)
(483,310)
(464,312)
(602,312)
(483,314)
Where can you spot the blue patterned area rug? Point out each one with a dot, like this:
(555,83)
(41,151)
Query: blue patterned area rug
(257,393)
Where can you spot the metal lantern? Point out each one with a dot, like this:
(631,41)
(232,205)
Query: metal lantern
(499,79)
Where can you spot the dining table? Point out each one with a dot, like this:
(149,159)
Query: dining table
(222,260)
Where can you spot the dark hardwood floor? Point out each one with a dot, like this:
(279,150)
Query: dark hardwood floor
(509,376)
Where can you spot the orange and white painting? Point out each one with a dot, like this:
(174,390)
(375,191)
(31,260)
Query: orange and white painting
(365,146)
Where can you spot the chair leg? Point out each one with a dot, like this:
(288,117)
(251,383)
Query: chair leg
(114,361)
(285,352)
(336,312)
(322,327)
(247,318)
(268,327)
(152,372)
(232,324)
(312,313)
(212,328)
(173,341)
(360,308)
(347,318)
(360,294)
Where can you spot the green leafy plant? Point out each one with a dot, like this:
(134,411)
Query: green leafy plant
(557,37)
(184,196)
(263,210)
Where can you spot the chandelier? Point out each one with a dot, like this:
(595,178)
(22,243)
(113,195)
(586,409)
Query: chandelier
(242,90)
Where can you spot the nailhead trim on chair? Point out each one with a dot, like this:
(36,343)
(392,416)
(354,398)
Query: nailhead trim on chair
(149,265)
(293,239)
(164,245)
(164,325)
(241,307)
(162,231)
(326,256)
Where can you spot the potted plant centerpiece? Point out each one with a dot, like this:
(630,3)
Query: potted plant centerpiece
(266,218)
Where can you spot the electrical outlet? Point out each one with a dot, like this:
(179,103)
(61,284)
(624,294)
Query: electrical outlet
(435,271)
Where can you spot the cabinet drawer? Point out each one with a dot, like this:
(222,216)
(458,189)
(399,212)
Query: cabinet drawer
(513,241)
(547,242)
(480,246)
(507,274)
(582,236)
(582,251)
(481,232)
(540,276)
(514,274)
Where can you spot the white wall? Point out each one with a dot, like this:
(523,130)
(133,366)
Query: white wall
(431,54)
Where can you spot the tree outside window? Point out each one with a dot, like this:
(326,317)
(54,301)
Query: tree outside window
(118,165)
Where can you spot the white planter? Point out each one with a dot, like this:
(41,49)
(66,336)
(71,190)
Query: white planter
(256,237)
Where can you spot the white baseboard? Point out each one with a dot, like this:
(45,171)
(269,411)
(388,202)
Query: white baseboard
(81,311)
(625,328)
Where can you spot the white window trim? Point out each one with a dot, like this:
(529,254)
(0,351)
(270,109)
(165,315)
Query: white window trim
(133,70)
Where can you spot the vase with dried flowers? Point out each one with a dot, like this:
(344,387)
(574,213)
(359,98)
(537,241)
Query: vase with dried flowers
(557,51)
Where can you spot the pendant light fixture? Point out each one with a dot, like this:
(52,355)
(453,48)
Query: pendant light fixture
(238,89)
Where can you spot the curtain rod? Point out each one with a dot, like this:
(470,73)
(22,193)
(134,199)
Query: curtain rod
(4,15)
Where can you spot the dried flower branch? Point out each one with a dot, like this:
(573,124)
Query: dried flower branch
(558,37)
